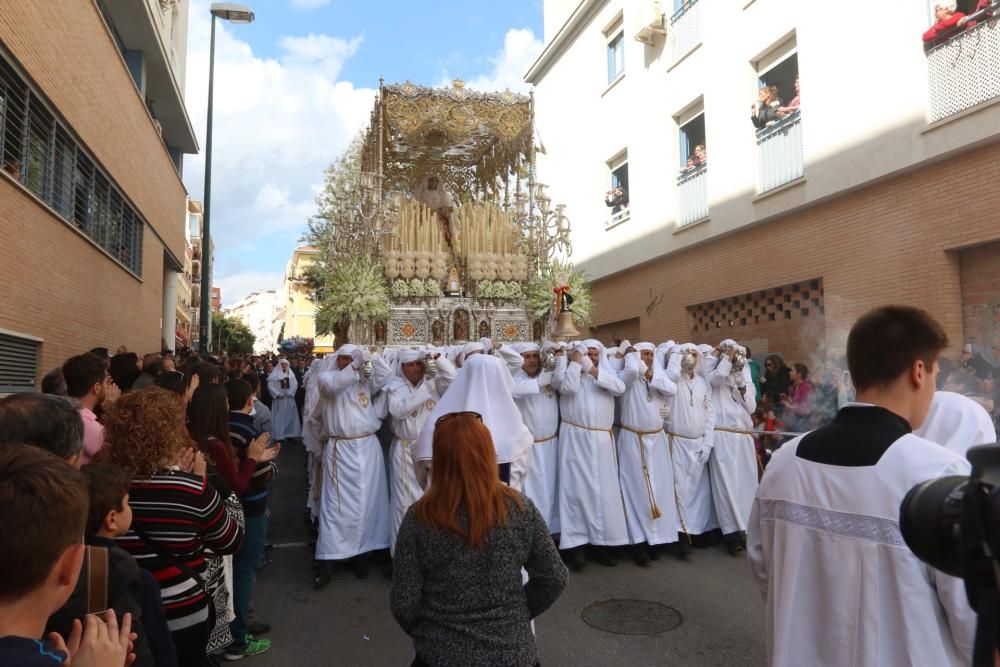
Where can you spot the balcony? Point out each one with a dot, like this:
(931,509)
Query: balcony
(617,218)
(692,194)
(964,70)
(779,153)
(685,29)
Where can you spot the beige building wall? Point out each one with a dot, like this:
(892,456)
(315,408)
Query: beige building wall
(300,311)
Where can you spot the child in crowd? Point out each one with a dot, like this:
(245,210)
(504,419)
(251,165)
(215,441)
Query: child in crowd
(43,510)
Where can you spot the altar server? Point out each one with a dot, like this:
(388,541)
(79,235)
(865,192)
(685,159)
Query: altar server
(354,513)
(539,405)
(733,466)
(591,508)
(647,477)
(483,386)
(841,586)
(282,385)
(414,391)
(692,421)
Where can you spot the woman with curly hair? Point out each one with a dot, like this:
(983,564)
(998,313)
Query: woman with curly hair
(177,514)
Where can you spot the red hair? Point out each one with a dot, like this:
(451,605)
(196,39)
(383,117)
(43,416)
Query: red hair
(465,474)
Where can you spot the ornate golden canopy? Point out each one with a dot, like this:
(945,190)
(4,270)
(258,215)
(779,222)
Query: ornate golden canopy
(474,141)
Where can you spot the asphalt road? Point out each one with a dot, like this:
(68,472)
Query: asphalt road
(349,624)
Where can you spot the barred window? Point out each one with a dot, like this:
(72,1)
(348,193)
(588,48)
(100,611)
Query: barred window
(38,150)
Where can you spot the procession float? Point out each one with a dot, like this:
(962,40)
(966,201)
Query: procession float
(447,236)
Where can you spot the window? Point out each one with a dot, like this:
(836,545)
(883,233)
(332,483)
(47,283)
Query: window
(18,363)
(782,75)
(619,177)
(617,196)
(616,55)
(692,135)
(39,151)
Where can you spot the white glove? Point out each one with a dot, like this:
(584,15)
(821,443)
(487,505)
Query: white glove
(358,355)
(624,346)
(664,412)
(703,455)
(586,363)
(544,378)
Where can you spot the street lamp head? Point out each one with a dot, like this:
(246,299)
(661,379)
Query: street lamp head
(231,11)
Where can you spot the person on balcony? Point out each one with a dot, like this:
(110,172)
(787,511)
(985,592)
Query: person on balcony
(617,199)
(948,18)
(984,6)
(792,106)
(764,111)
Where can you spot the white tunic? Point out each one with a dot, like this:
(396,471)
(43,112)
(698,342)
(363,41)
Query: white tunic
(733,464)
(591,508)
(409,408)
(284,414)
(692,420)
(354,514)
(841,586)
(539,405)
(647,477)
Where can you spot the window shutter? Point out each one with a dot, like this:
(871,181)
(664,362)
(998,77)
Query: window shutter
(18,364)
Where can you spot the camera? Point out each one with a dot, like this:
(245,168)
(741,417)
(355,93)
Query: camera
(953,524)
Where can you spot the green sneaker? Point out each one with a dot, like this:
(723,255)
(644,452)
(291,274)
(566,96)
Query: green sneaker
(253,647)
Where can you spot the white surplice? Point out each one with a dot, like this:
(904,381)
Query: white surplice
(692,421)
(354,512)
(539,405)
(733,464)
(841,586)
(313,435)
(647,477)
(409,408)
(591,509)
(284,414)
(957,422)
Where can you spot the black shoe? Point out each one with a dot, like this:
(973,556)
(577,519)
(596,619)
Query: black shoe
(574,558)
(308,518)
(734,548)
(684,549)
(257,628)
(359,566)
(641,555)
(604,556)
(321,580)
(654,552)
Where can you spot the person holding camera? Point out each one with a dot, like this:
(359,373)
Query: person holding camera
(824,541)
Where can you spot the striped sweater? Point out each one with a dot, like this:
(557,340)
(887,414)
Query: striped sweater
(184,515)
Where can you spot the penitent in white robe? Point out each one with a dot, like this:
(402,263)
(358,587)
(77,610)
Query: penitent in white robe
(354,511)
(733,464)
(647,476)
(840,584)
(591,508)
(409,408)
(284,414)
(692,420)
(539,405)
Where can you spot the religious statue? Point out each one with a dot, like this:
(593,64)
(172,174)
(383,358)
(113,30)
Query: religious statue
(564,300)
(461,325)
(454,285)
(484,329)
(380,331)
(437,332)
(431,194)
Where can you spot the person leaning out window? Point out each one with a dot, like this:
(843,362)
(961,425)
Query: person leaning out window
(457,588)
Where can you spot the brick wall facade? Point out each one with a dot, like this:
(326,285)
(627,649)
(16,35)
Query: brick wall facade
(891,242)
(980,272)
(59,285)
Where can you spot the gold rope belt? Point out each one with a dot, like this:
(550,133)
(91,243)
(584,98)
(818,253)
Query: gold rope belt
(760,465)
(551,437)
(336,439)
(653,509)
(591,428)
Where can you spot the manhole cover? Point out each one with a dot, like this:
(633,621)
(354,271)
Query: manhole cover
(631,617)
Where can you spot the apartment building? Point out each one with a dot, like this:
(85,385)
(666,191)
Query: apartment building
(257,311)
(879,188)
(93,128)
(295,303)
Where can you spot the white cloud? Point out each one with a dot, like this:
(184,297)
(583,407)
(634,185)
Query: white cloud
(520,49)
(278,123)
(238,285)
(309,4)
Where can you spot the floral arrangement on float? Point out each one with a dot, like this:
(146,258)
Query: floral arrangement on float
(499,290)
(543,289)
(360,293)
(415,288)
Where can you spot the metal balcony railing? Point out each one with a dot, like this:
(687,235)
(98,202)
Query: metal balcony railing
(692,194)
(685,29)
(779,153)
(617,218)
(964,70)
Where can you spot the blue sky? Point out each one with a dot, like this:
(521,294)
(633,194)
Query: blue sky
(296,85)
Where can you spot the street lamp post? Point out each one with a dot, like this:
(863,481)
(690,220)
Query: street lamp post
(236,13)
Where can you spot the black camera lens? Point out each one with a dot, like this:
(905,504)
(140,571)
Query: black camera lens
(930,520)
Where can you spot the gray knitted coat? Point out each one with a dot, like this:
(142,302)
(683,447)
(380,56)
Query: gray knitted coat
(465,607)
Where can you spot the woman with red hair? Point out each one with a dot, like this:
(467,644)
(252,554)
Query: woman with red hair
(457,588)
